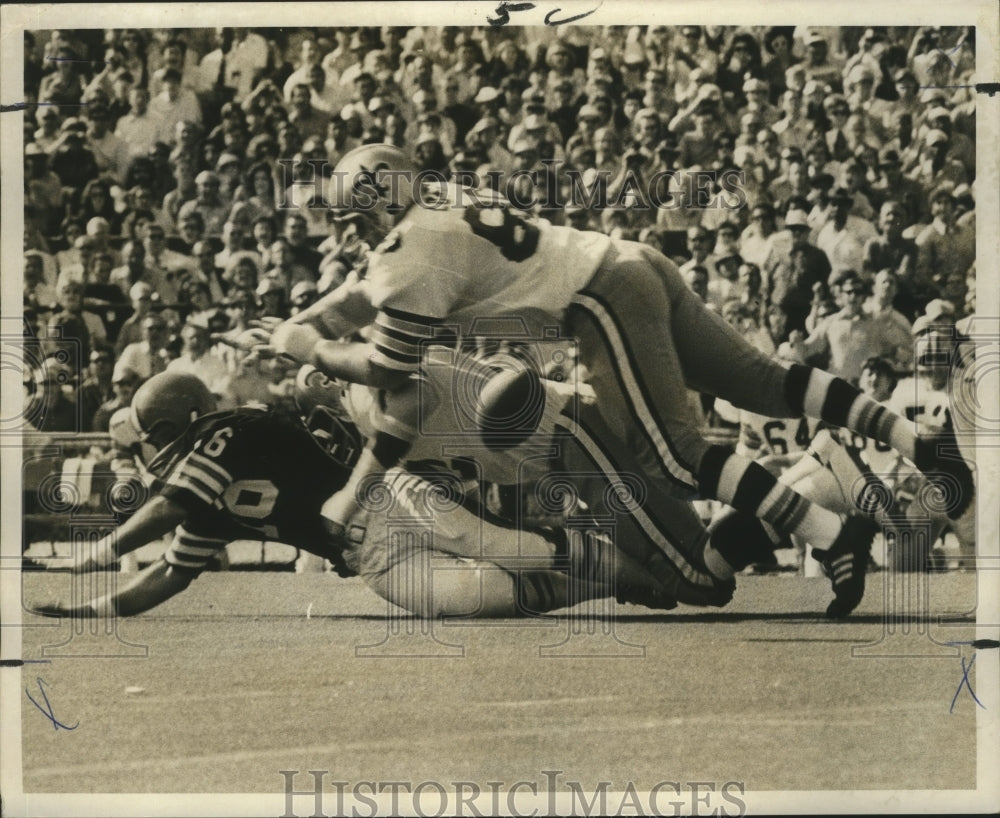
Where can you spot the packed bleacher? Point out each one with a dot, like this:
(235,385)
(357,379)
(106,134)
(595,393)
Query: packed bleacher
(815,185)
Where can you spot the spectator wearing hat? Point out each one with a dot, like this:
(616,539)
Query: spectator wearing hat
(656,94)
(234,241)
(945,250)
(892,185)
(854,179)
(818,64)
(443,127)
(843,236)
(73,162)
(960,147)
(697,145)
(110,151)
(907,97)
(935,167)
(468,67)
(484,138)
(47,136)
(429,154)
(793,268)
(308,56)
(164,268)
(124,382)
(508,60)
(700,244)
(757,239)
(690,53)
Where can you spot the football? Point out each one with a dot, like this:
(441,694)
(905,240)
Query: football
(510,408)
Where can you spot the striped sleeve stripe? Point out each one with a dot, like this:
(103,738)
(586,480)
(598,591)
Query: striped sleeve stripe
(657,535)
(673,469)
(417,323)
(398,337)
(190,551)
(210,467)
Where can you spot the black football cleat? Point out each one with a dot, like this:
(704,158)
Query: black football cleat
(846,562)
(947,472)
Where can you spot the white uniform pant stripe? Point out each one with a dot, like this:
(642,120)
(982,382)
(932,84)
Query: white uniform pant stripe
(633,394)
(690,573)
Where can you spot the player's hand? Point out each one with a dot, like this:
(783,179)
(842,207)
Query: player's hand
(58,609)
(295,340)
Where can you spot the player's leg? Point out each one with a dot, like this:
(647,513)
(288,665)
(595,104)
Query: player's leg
(405,546)
(717,360)
(659,532)
(623,322)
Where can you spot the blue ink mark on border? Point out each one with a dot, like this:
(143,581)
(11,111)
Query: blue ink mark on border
(22,662)
(966,683)
(48,712)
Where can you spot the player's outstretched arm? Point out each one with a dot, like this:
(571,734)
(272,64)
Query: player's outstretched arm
(350,361)
(150,587)
(157,517)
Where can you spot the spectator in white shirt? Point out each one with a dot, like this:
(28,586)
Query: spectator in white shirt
(843,236)
(174,104)
(140,128)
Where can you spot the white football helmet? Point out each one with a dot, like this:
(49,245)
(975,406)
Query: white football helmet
(376,181)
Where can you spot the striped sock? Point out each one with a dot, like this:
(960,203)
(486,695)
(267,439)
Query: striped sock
(819,394)
(749,487)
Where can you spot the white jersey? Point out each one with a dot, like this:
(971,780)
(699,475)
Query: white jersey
(465,260)
(927,408)
(761,436)
(437,417)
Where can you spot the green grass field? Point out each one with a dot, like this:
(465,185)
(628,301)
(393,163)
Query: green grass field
(247,674)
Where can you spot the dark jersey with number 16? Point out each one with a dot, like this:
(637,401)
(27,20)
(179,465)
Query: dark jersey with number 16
(252,474)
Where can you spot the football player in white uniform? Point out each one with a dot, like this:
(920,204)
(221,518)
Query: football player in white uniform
(450,261)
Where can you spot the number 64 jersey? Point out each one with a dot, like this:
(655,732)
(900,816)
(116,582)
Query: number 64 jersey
(251,474)
(463,258)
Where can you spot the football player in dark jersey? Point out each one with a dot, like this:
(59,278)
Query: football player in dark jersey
(264,474)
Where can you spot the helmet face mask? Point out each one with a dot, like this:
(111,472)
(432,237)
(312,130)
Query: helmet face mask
(376,181)
(319,401)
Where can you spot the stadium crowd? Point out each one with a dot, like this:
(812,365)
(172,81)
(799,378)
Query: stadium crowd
(819,182)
